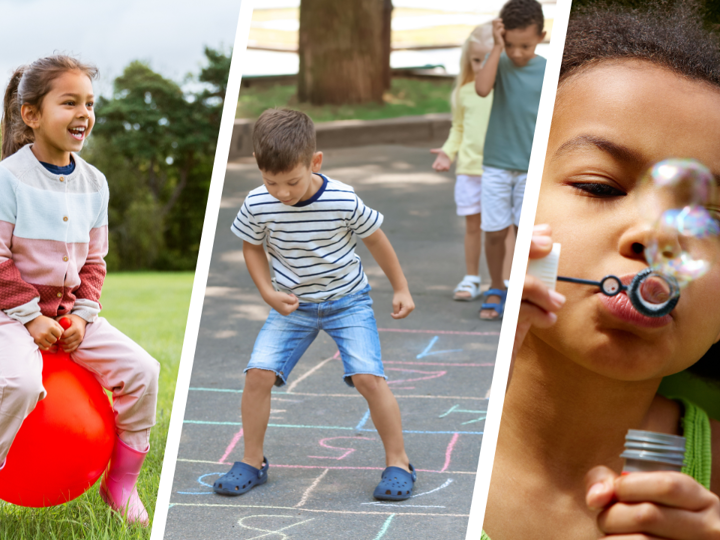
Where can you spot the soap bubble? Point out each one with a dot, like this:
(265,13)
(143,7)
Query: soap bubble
(680,199)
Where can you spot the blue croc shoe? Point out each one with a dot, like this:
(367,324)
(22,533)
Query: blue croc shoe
(396,484)
(241,478)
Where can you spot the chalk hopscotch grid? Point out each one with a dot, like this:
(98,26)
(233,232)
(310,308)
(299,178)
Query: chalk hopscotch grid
(360,427)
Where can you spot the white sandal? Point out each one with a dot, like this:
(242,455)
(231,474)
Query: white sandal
(469,284)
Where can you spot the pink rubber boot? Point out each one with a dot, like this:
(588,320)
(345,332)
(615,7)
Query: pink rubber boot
(117,487)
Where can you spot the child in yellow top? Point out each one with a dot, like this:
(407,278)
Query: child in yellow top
(466,140)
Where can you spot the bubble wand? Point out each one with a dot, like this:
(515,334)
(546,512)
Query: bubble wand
(676,193)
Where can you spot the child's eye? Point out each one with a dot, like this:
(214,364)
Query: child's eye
(599,189)
(90,105)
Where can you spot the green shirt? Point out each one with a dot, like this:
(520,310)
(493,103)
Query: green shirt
(698,448)
(514,112)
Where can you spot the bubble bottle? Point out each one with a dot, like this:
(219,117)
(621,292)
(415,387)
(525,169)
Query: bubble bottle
(647,451)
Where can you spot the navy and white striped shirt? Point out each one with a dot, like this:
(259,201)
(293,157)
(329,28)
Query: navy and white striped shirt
(312,243)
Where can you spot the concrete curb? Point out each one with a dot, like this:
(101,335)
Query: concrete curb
(427,128)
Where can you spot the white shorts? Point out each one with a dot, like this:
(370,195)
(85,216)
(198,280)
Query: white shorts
(502,198)
(468,195)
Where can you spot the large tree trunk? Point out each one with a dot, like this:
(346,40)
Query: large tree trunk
(341,51)
(387,42)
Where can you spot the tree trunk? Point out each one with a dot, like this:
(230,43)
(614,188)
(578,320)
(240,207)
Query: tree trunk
(387,42)
(341,51)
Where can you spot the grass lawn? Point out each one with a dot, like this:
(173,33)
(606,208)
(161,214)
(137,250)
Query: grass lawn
(407,97)
(152,309)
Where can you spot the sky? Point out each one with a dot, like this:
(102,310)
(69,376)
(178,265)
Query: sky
(168,34)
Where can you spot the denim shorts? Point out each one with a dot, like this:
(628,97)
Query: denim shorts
(349,320)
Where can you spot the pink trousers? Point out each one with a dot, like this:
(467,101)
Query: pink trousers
(118,363)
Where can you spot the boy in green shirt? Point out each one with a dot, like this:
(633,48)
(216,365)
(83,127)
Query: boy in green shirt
(515,73)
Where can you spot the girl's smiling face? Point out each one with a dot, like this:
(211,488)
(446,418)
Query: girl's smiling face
(65,118)
(611,122)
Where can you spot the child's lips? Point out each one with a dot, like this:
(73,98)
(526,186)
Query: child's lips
(621,308)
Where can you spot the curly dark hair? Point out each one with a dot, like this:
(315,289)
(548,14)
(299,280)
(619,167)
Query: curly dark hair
(521,14)
(667,33)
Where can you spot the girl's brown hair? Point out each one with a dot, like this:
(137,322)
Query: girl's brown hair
(29,85)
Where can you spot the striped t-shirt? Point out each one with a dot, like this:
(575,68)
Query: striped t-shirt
(312,243)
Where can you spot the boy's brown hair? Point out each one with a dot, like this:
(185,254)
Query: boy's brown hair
(282,139)
(519,14)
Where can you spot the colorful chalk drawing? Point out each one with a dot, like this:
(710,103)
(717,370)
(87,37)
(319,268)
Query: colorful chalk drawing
(290,520)
(427,352)
(429,375)
(456,409)
(308,491)
(323,443)
(385,527)
(270,532)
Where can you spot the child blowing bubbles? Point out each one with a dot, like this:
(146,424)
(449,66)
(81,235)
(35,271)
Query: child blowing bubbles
(589,371)
(53,239)
(309,223)
(515,73)
(466,140)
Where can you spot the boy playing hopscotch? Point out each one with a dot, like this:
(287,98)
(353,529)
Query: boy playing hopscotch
(309,224)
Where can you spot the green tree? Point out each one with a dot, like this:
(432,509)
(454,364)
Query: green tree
(156,145)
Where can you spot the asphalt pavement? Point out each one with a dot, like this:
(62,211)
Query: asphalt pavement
(325,456)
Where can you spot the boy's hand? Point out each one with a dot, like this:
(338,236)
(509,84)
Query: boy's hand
(382,251)
(72,336)
(282,302)
(257,263)
(669,505)
(498,29)
(402,304)
(442,161)
(44,331)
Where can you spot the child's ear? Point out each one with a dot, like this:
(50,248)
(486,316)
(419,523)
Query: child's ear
(30,115)
(542,37)
(316,163)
